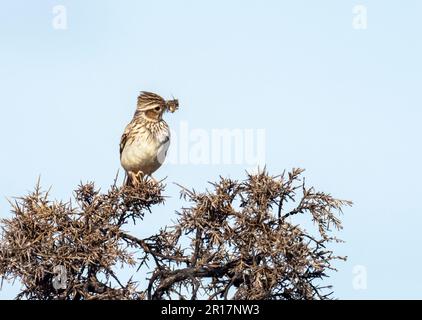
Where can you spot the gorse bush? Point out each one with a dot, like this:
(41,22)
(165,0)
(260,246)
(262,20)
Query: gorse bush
(238,240)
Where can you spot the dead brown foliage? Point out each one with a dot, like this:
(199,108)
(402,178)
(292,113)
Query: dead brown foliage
(236,241)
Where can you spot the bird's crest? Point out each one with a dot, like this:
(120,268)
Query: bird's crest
(149,100)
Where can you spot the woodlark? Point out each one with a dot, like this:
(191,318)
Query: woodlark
(144,144)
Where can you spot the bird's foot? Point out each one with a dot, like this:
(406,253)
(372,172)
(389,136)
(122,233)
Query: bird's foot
(134,179)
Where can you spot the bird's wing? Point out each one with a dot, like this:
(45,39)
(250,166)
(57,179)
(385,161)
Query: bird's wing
(124,138)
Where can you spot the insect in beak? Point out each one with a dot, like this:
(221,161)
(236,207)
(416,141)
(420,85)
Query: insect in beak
(173,105)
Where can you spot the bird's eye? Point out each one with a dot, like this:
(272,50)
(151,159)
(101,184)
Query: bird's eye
(157,108)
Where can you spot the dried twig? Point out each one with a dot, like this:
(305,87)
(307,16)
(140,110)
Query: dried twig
(234,241)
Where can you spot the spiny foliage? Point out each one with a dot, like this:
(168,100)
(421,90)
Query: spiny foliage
(237,240)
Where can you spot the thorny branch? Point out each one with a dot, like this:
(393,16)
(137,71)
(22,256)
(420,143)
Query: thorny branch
(236,241)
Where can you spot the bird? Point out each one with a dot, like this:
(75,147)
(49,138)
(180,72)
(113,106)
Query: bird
(146,139)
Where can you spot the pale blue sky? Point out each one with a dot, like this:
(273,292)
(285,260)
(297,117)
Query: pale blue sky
(344,104)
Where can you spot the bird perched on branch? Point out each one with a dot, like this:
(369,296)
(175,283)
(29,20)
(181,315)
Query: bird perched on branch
(146,139)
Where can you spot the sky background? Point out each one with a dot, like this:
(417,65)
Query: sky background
(344,104)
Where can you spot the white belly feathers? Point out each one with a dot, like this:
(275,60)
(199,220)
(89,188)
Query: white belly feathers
(146,154)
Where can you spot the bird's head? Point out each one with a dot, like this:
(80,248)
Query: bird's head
(153,106)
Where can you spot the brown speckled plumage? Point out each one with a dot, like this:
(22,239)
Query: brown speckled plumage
(144,143)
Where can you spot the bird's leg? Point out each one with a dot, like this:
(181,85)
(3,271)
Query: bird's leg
(138,178)
(134,179)
(131,179)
